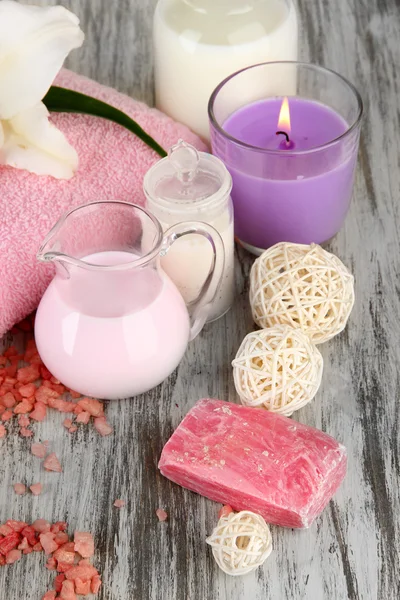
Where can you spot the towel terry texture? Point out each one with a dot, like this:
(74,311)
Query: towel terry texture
(112,163)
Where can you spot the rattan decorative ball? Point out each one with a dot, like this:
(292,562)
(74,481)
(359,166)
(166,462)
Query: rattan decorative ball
(240,542)
(278,368)
(302,286)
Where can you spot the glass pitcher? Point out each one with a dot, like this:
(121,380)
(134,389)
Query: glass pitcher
(111,324)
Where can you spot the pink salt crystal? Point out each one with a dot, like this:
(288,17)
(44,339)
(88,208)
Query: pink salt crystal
(94,407)
(96,584)
(82,587)
(23,407)
(19,489)
(65,556)
(61,538)
(62,405)
(67,423)
(85,562)
(82,571)
(41,525)
(3,431)
(48,543)
(8,400)
(27,390)
(25,432)
(45,373)
(5,530)
(225,511)
(51,564)
(51,463)
(17,526)
(50,595)
(83,417)
(7,415)
(28,374)
(37,547)
(17,395)
(36,489)
(102,427)
(161,514)
(84,544)
(58,581)
(39,412)
(119,503)
(59,526)
(56,387)
(23,421)
(24,545)
(254,459)
(68,591)
(73,429)
(39,450)
(43,394)
(13,556)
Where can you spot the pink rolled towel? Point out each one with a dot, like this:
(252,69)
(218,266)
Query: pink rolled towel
(112,163)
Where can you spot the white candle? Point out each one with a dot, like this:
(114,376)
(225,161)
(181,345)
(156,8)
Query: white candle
(197,43)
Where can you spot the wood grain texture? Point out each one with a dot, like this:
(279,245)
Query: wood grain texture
(352,551)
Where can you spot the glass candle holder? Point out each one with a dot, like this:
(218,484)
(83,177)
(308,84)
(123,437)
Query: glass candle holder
(197,43)
(288,133)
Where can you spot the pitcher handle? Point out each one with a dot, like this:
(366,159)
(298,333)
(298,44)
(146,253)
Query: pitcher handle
(200,307)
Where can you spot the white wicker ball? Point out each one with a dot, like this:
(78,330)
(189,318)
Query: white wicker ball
(278,368)
(302,286)
(240,542)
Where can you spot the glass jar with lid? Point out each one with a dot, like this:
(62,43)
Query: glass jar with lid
(194,186)
(198,43)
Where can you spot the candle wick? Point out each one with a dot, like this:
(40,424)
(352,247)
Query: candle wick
(285,134)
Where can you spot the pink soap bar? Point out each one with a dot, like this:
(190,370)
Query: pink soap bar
(256,460)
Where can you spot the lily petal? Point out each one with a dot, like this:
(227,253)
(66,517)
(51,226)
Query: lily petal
(31,142)
(34,43)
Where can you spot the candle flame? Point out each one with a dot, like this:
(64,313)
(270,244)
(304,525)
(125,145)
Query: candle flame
(284,116)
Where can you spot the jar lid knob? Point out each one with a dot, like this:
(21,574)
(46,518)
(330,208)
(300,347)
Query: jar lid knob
(185,160)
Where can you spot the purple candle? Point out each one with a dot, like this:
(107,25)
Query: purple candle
(292,186)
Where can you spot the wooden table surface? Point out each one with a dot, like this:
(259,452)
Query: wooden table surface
(352,551)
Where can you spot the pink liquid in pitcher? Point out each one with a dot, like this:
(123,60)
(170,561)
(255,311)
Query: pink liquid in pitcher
(112,334)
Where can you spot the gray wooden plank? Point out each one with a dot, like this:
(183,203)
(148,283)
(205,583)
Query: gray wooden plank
(352,552)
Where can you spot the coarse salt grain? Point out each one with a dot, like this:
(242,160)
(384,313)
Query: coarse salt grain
(51,463)
(119,503)
(13,556)
(19,489)
(25,432)
(39,450)
(161,514)
(102,427)
(36,489)
(84,543)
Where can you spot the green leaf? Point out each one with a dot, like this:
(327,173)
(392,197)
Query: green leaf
(60,99)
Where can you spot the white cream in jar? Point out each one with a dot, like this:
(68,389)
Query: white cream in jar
(194,186)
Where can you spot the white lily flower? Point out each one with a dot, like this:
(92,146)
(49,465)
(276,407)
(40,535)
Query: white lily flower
(34,43)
